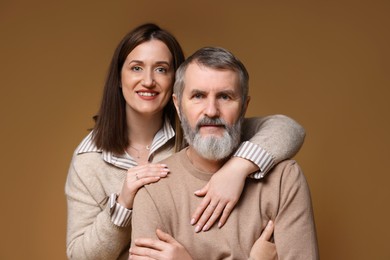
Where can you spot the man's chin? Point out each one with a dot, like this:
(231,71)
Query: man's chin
(212,132)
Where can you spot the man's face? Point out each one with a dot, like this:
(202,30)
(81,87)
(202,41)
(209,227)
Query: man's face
(210,110)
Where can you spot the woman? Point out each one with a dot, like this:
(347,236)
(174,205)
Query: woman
(136,127)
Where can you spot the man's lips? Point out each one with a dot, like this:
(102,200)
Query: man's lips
(210,125)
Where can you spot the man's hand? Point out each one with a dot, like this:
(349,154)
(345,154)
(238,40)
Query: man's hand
(163,248)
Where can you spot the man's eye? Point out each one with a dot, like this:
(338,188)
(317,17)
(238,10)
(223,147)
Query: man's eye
(197,96)
(224,97)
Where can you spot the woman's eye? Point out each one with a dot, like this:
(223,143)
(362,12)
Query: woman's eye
(161,70)
(136,68)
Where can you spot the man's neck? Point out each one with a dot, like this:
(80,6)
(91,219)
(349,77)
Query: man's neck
(203,164)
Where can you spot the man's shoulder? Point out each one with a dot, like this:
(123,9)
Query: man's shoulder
(287,171)
(286,164)
(164,185)
(174,158)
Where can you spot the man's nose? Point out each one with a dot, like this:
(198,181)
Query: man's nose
(212,108)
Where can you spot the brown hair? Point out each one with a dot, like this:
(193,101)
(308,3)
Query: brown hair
(110,132)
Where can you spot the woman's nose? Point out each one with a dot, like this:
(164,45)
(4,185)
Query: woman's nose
(148,80)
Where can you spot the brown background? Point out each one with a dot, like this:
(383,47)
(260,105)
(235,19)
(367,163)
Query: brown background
(323,63)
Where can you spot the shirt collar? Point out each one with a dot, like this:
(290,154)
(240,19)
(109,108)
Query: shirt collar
(125,161)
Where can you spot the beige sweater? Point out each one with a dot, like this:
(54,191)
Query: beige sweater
(283,196)
(90,232)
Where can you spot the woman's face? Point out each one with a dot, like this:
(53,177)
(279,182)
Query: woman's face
(147,78)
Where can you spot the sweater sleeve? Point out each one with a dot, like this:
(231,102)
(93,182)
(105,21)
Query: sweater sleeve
(90,231)
(146,217)
(294,233)
(269,140)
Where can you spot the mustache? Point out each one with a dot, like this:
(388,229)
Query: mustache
(210,121)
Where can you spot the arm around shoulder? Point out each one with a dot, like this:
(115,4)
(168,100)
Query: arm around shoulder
(279,136)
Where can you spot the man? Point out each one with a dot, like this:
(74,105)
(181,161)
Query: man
(211,98)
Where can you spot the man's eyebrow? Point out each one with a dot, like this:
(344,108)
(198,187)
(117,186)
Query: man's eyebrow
(197,91)
(227,92)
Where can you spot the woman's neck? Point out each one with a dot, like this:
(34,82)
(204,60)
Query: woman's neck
(143,128)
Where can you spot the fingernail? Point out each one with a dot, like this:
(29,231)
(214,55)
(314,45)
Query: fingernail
(219,224)
(205,228)
(163,174)
(197,229)
(192,221)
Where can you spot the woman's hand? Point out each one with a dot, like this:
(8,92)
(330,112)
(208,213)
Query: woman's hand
(221,193)
(263,249)
(136,178)
(163,248)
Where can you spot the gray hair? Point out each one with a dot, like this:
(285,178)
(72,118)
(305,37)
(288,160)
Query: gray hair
(215,58)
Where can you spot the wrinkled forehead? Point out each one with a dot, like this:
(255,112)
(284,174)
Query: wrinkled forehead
(208,79)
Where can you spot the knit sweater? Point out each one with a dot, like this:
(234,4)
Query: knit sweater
(282,196)
(94,175)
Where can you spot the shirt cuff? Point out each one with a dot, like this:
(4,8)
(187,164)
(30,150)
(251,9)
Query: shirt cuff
(258,156)
(120,216)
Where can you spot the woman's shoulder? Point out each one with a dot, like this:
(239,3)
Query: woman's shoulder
(87,145)
(93,171)
(87,157)
(86,152)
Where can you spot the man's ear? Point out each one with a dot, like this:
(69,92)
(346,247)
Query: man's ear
(245,107)
(176,103)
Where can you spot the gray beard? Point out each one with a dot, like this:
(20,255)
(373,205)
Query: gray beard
(212,147)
